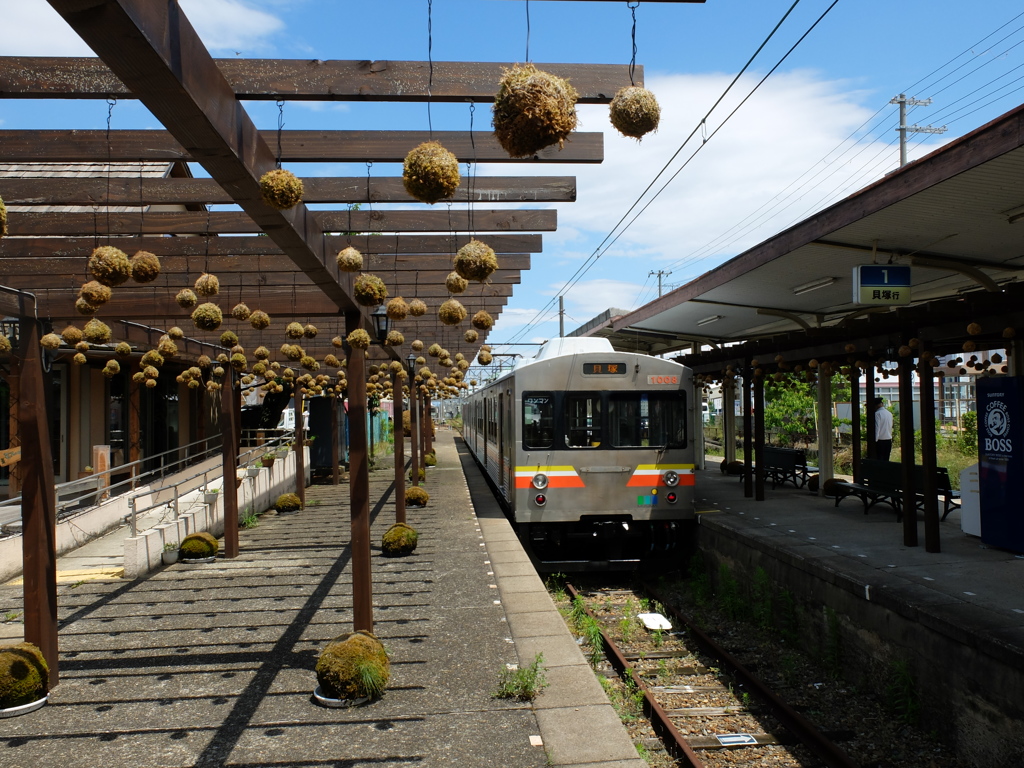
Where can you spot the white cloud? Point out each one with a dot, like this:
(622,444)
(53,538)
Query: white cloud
(33,28)
(231,25)
(592,297)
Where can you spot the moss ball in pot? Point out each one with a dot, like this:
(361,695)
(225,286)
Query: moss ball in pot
(399,540)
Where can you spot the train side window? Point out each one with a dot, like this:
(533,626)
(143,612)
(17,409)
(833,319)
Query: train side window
(583,426)
(641,419)
(538,420)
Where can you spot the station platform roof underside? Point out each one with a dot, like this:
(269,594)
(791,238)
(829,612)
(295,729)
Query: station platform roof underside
(955,216)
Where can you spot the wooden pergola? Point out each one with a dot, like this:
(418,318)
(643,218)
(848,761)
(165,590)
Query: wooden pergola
(281,262)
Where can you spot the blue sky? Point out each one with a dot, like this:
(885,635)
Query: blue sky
(817,130)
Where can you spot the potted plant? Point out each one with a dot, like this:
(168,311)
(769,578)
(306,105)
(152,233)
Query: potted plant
(210,495)
(268,460)
(399,540)
(288,504)
(254,470)
(199,547)
(86,472)
(24,680)
(170,553)
(353,669)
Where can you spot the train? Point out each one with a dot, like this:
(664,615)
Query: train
(591,452)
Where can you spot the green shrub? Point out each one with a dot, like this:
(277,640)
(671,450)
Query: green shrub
(24,676)
(199,545)
(352,666)
(288,502)
(521,684)
(422,474)
(430,459)
(416,497)
(400,539)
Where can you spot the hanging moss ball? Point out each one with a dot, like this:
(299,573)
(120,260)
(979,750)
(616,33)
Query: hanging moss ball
(152,358)
(350,260)
(259,320)
(310,331)
(397,309)
(416,496)
(111,369)
(176,333)
(3,218)
(470,336)
(431,172)
(486,348)
(337,342)
(207,285)
(145,267)
(71,335)
(50,341)
(24,675)
(82,346)
(399,540)
(186,298)
(79,359)
(455,283)
(394,339)
(207,317)
(417,308)
(5,345)
(331,361)
(475,261)
(309,363)
(533,110)
(261,353)
(281,189)
(110,266)
(484,358)
(483,321)
(198,545)
(635,112)
(359,339)
(83,307)
(97,332)
(241,312)
(451,312)
(434,350)
(974,329)
(1009,332)
(293,352)
(228,339)
(369,290)
(353,666)
(167,348)
(238,362)
(95,293)
(969,346)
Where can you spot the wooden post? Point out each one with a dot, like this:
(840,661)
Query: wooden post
(414,424)
(759,437)
(748,428)
(359,485)
(855,445)
(428,415)
(869,411)
(729,420)
(906,388)
(396,402)
(928,459)
(300,446)
(134,428)
(14,408)
(335,451)
(38,501)
(826,452)
(229,463)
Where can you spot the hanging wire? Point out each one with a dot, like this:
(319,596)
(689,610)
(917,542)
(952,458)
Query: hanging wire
(430,63)
(527,32)
(280,128)
(369,199)
(111,103)
(142,205)
(632,62)
(471,169)
(206,263)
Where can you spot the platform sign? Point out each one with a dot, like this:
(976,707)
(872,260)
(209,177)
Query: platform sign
(881,284)
(1001,461)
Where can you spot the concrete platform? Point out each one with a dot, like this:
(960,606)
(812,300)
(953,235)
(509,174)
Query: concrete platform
(211,665)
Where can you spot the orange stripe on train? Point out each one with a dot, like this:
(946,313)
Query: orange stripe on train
(553,482)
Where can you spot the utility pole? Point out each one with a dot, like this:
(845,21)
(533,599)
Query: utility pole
(660,273)
(561,318)
(903,129)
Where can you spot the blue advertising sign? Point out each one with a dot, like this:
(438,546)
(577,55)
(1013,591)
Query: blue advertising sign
(1001,461)
(881,284)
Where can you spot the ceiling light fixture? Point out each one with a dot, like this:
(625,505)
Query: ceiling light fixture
(822,282)
(708,320)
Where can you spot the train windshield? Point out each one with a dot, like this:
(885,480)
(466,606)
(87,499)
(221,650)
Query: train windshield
(538,419)
(583,425)
(643,419)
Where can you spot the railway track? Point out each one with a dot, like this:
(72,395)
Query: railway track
(704,706)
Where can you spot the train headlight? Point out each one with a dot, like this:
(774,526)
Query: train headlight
(671,478)
(540,481)
(541,499)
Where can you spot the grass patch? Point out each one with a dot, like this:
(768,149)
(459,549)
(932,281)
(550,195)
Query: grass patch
(522,684)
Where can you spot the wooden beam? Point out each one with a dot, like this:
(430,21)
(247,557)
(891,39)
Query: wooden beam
(77,146)
(235,222)
(401,284)
(39,77)
(355,189)
(26,247)
(153,49)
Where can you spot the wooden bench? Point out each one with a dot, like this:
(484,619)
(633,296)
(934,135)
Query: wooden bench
(785,465)
(882,483)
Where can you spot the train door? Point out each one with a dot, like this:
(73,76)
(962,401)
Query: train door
(507,444)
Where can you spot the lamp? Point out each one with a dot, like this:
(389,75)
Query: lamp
(381,323)
(410,362)
(709,320)
(821,282)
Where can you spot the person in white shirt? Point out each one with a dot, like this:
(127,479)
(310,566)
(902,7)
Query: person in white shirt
(883,430)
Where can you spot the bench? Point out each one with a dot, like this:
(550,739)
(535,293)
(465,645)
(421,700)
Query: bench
(883,484)
(785,465)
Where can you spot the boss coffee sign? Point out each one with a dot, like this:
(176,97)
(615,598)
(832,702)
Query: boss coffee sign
(1001,462)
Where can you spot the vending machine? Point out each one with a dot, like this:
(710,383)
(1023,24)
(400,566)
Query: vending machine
(1001,461)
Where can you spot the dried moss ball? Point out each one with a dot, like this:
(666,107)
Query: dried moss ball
(417,308)
(261,353)
(475,261)
(369,290)
(111,369)
(207,317)
(198,545)
(288,502)
(470,336)
(50,341)
(152,358)
(281,189)
(259,320)
(451,312)
(228,339)
(71,335)
(434,350)
(484,358)
(95,293)
(969,346)
(207,285)
(110,266)
(1009,332)
(359,339)
(483,321)
(145,267)
(167,347)
(974,329)
(533,109)
(350,260)
(3,218)
(78,359)
(309,363)
(238,362)
(204,361)
(397,309)
(186,298)
(310,331)
(5,344)
(635,112)
(331,361)
(293,352)
(97,332)
(240,311)
(431,172)
(455,283)
(394,339)
(353,666)
(84,307)
(176,333)
(24,676)
(399,540)
(416,496)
